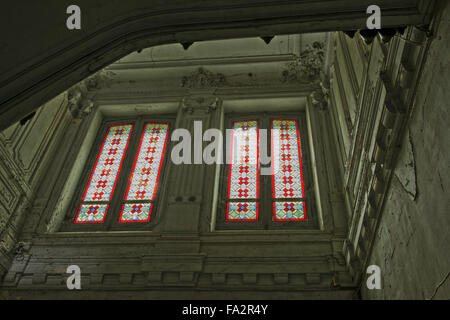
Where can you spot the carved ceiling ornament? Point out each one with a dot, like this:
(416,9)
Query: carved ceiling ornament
(21,249)
(308,66)
(100,80)
(203,78)
(80,96)
(205,104)
(320,97)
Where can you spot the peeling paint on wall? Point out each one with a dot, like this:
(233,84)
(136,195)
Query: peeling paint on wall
(406,167)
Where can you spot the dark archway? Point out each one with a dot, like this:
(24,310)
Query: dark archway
(41,57)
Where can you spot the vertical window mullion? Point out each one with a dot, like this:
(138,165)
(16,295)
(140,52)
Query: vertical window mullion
(268,184)
(125,173)
(143,181)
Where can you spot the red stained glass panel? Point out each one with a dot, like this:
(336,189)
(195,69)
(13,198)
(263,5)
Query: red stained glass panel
(287,178)
(243,183)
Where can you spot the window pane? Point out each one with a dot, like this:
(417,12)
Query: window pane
(144,177)
(242,211)
(243,182)
(104,175)
(137,212)
(91,213)
(289,211)
(287,181)
(244,168)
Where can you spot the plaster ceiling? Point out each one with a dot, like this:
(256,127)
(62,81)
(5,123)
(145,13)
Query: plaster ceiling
(222,49)
(151,81)
(246,61)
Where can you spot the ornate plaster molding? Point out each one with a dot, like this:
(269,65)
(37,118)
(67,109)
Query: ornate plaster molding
(320,97)
(307,67)
(203,103)
(203,78)
(80,97)
(21,249)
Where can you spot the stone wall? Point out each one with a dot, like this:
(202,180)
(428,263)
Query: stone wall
(25,154)
(412,242)
(389,111)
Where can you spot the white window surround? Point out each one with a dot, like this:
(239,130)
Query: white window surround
(265,104)
(234,104)
(95,120)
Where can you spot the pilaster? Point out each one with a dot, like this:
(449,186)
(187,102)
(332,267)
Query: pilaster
(198,112)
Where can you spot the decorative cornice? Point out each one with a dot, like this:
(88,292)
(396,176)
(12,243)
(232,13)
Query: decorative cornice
(182,269)
(200,62)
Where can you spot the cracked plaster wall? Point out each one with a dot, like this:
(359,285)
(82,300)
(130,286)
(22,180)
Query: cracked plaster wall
(412,245)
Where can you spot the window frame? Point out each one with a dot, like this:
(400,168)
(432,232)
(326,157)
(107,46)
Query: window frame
(265,200)
(111,221)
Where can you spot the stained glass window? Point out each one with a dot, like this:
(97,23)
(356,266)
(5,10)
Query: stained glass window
(137,212)
(242,211)
(104,175)
(287,211)
(243,183)
(287,178)
(94,213)
(145,175)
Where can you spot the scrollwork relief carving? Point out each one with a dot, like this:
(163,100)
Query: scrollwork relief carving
(80,96)
(21,249)
(203,78)
(307,67)
(101,79)
(321,96)
(318,99)
(204,104)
